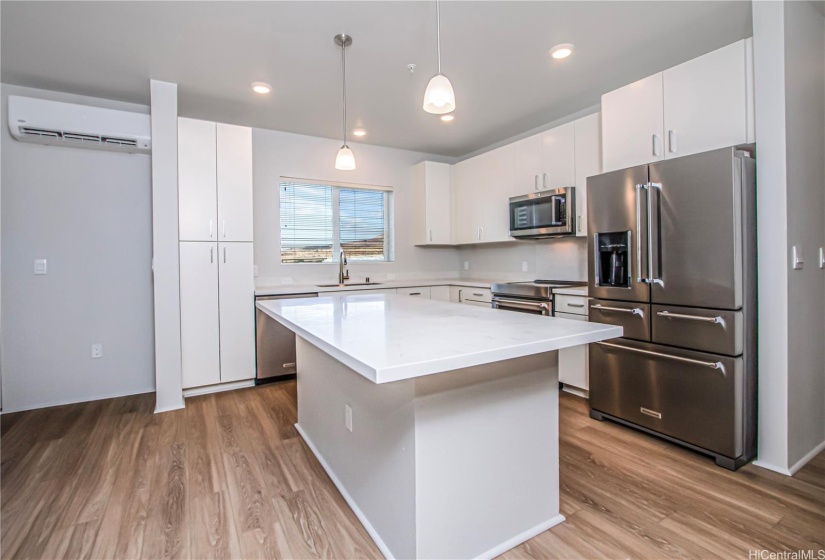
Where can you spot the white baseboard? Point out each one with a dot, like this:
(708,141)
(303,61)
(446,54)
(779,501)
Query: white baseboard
(9,409)
(793,469)
(382,546)
(808,456)
(523,537)
(583,393)
(168,408)
(218,387)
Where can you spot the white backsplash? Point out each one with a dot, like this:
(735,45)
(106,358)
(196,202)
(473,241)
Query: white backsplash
(551,259)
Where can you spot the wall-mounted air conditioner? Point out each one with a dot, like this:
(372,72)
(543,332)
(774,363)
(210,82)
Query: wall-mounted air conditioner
(78,126)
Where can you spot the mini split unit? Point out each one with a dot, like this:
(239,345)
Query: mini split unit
(78,126)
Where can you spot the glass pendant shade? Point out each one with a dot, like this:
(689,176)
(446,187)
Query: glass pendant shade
(345,160)
(439,97)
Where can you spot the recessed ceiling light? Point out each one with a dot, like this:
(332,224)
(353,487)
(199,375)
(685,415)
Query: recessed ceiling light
(359,132)
(261,87)
(562,51)
(447,118)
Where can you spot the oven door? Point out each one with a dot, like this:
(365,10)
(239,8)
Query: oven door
(523,305)
(542,214)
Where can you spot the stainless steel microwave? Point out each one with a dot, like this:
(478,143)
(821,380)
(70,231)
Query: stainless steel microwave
(543,214)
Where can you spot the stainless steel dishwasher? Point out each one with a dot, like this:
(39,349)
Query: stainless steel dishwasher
(275,344)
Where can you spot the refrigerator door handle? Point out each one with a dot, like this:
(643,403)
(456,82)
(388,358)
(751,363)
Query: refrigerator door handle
(653,243)
(711,365)
(640,275)
(669,315)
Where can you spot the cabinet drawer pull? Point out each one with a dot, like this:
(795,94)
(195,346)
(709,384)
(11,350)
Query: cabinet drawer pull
(414,293)
(223,226)
(211,255)
(634,311)
(711,365)
(210,228)
(289,364)
(574,304)
(478,295)
(669,315)
(224,255)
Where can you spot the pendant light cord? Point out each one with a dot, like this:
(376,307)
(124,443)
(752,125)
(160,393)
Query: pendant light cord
(344,89)
(438,31)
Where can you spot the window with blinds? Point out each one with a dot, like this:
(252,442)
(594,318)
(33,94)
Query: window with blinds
(317,220)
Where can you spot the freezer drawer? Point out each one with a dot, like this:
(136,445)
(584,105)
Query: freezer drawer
(706,330)
(693,397)
(634,318)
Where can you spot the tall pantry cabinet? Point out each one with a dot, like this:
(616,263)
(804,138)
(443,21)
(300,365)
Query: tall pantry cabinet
(217,291)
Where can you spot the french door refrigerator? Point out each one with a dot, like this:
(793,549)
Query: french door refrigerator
(672,259)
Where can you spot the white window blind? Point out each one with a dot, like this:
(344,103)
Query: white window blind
(318,220)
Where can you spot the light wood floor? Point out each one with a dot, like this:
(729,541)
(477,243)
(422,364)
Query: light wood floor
(228,477)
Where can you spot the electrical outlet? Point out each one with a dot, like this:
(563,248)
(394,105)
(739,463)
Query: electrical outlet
(796,260)
(348,417)
(97,350)
(524,267)
(466,265)
(40,266)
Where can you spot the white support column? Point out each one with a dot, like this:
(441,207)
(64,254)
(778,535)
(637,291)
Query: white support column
(168,380)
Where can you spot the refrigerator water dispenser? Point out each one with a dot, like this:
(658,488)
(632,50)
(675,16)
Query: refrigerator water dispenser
(613,259)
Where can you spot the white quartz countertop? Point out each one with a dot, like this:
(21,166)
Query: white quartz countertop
(390,338)
(288,289)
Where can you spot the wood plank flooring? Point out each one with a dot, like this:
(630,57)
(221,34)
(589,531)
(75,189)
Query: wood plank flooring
(229,477)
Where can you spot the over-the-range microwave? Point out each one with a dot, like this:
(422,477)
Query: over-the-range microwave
(543,214)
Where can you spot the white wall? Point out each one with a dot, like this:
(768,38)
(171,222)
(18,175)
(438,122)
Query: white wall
(276,154)
(789,72)
(89,213)
(551,259)
(805,128)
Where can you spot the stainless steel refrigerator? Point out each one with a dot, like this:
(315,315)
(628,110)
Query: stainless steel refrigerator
(672,249)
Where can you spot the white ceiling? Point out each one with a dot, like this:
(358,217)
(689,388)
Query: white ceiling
(495,53)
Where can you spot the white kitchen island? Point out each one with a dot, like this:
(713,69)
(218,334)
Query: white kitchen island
(437,422)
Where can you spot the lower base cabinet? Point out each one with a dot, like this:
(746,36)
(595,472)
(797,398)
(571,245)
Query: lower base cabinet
(217,298)
(574,362)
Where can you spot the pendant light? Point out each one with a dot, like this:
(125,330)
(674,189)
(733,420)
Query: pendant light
(439,97)
(345,160)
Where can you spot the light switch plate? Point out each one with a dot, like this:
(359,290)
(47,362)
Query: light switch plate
(97,350)
(524,267)
(40,266)
(796,258)
(466,265)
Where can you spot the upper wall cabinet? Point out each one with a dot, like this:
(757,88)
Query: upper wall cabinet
(432,204)
(633,124)
(588,162)
(701,105)
(544,161)
(482,187)
(214,181)
(706,102)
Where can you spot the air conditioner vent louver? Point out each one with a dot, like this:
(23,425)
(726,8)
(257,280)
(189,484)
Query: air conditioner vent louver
(28,131)
(80,137)
(54,123)
(119,141)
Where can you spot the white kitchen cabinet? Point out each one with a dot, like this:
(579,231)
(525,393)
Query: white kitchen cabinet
(496,190)
(422,292)
(557,157)
(200,322)
(475,296)
(440,293)
(236,303)
(527,172)
(633,124)
(588,162)
(705,102)
(432,204)
(214,181)
(197,180)
(700,105)
(573,362)
(234,182)
(466,207)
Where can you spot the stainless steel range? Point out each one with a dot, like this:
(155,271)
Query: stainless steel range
(534,297)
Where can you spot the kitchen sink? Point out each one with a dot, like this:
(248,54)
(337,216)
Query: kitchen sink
(350,284)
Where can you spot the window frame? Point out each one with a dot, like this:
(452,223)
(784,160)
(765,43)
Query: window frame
(389,220)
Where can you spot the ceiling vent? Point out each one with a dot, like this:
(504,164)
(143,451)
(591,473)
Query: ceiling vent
(79,126)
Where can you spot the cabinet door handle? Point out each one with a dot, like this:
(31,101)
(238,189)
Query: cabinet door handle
(544,180)
(579,223)
(211,255)
(478,233)
(671,141)
(223,226)
(668,314)
(634,311)
(478,295)
(415,293)
(431,236)
(224,255)
(575,305)
(210,228)
(482,232)
(536,182)
(656,145)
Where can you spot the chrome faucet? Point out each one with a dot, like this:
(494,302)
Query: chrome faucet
(342,260)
